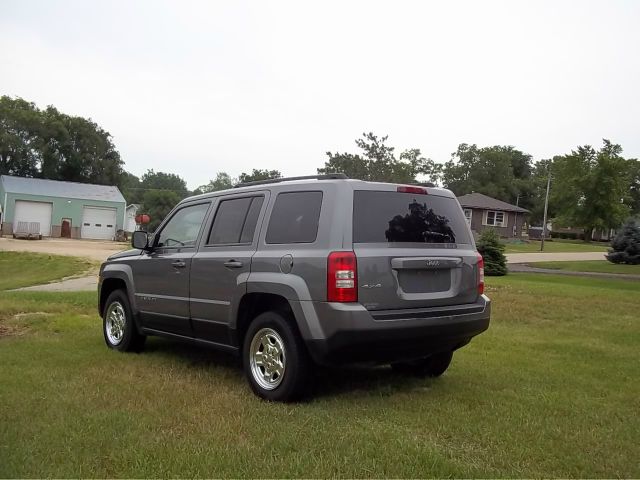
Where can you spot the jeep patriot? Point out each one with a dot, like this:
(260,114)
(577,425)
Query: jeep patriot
(290,273)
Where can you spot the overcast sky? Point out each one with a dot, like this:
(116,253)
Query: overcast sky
(195,88)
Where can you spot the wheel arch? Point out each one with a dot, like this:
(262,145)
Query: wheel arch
(253,304)
(115,277)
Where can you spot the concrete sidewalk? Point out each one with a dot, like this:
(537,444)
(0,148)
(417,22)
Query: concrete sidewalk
(516,267)
(553,257)
(78,284)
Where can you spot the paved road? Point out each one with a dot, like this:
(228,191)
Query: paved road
(553,257)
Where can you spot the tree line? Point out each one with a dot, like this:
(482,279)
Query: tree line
(592,188)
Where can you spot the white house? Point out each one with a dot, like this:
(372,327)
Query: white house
(130,217)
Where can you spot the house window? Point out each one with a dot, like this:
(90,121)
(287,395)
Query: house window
(495,219)
(468,213)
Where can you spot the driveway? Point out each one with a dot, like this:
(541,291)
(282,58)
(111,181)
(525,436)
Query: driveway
(93,249)
(553,257)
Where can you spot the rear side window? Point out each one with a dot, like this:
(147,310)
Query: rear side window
(235,221)
(387,217)
(295,217)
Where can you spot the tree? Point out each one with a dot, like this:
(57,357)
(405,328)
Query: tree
(625,247)
(377,162)
(20,139)
(501,172)
(633,168)
(153,180)
(222,181)
(258,174)
(537,193)
(590,188)
(492,251)
(130,187)
(157,204)
(51,144)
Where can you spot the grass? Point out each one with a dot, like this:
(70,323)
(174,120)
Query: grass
(598,266)
(551,390)
(556,245)
(22,269)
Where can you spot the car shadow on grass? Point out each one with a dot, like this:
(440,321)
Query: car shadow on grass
(365,380)
(351,380)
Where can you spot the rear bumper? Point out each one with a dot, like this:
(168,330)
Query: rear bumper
(350,333)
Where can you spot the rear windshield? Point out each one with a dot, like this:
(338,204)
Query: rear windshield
(382,217)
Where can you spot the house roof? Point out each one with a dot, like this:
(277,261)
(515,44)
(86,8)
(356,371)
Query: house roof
(55,188)
(478,200)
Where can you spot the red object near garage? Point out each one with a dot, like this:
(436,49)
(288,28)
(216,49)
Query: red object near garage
(142,219)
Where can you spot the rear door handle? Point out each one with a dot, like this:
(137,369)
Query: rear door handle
(179,264)
(233,264)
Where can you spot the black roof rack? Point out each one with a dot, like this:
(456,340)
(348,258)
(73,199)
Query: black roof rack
(327,176)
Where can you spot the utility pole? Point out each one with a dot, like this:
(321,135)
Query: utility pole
(546,205)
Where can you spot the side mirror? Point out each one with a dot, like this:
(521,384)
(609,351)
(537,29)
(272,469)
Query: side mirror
(140,240)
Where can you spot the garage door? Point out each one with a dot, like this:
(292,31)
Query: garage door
(34,212)
(98,223)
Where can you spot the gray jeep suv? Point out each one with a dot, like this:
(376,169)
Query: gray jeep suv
(289,273)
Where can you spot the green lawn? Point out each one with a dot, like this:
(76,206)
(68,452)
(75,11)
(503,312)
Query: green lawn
(551,390)
(22,269)
(556,246)
(599,266)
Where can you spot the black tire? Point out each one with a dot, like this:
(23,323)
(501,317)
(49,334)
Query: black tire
(297,372)
(432,366)
(129,339)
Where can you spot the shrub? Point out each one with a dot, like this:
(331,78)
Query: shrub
(625,247)
(492,250)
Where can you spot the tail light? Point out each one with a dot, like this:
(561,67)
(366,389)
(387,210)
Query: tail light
(342,277)
(480,275)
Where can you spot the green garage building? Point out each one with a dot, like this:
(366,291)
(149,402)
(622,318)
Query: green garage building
(62,209)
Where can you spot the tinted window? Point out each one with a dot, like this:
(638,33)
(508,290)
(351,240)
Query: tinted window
(235,221)
(294,218)
(251,221)
(183,228)
(381,217)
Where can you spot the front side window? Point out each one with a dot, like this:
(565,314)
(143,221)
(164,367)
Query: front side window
(183,228)
(235,221)
(295,218)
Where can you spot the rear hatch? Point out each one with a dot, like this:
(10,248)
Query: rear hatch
(414,249)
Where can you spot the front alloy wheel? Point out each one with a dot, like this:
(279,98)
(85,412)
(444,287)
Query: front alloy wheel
(119,329)
(115,320)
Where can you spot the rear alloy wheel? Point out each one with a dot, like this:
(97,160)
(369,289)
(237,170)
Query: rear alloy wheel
(432,366)
(268,358)
(118,327)
(275,359)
